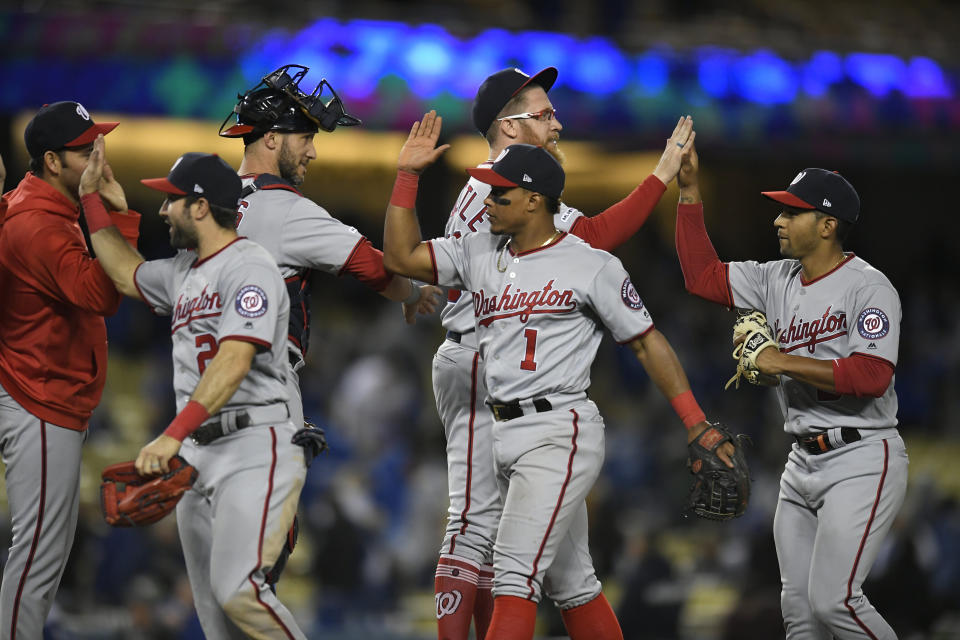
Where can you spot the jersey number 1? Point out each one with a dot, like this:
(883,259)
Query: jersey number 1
(528,363)
(209,345)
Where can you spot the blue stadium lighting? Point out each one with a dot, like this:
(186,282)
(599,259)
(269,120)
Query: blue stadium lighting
(374,44)
(428,60)
(822,70)
(925,79)
(652,73)
(598,67)
(713,71)
(478,58)
(766,79)
(877,73)
(541,49)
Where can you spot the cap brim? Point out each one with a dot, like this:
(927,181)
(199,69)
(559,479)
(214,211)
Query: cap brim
(491,177)
(162,184)
(544,78)
(236,131)
(91,134)
(787,198)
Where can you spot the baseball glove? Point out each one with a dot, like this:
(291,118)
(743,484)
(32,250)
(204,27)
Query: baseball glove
(312,439)
(131,500)
(718,492)
(751,335)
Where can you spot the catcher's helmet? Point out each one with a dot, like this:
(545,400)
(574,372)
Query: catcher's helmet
(280,105)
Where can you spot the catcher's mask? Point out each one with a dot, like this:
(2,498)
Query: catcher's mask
(277,103)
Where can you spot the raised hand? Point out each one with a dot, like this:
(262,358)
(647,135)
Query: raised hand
(689,167)
(672,155)
(98,177)
(111,191)
(421,150)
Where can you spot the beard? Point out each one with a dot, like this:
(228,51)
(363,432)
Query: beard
(183,236)
(288,165)
(553,148)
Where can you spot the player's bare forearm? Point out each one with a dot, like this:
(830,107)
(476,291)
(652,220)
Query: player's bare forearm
(817,373)
(223,375)
(117,258)
(688,178)
(403,251)
(661,363)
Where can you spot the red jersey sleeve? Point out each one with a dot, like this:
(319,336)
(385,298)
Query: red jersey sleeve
(56,258)
(366,265)
(704,274)
(612,227)
(861,375)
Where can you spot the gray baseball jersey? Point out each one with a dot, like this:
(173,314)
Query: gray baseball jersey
(300,235)
(851,309)
(539,316)
(537,311)
(233,522)
(469,215)
(236,293)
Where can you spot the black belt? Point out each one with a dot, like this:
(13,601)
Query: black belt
(820,443)
(453,336)
(511,410)
(230,421)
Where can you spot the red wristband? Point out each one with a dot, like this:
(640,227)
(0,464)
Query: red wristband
(187,421)
(95,213)
(405,190)
(687,408)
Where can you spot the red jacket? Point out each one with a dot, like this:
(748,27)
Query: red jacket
(53,297)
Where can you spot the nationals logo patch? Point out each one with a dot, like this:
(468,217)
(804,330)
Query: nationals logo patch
(630,296)
(447,602)
(251,301)
(873,323)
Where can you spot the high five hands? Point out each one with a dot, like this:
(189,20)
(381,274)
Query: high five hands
(672,157)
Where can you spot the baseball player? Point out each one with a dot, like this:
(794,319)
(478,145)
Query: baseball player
(510,107)
(278,122)
(539,297)
(53,354)
(229,312)
(836,320)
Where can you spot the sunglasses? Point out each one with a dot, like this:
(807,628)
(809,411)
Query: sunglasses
(544,115)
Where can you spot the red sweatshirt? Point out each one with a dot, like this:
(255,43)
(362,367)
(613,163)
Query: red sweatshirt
(53,340)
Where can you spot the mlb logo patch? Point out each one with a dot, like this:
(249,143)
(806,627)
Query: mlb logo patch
(251,301)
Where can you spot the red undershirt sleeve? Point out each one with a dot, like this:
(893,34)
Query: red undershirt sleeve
(862,376)
(129,225)
(704,274)
(612,227)
(366,265)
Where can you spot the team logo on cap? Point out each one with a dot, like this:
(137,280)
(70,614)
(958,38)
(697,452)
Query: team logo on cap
(630,296)
(251,301)
(798,178)
(82,112)
(873,323)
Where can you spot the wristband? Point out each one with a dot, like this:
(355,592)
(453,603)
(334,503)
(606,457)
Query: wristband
(95,213)
(405,190)
(687,408)
(187,421)
(414,296)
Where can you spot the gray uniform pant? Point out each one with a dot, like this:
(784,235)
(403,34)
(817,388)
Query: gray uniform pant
(233,524)
(833,513)
(43,478)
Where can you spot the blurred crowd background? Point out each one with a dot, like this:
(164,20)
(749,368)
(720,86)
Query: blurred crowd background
(866,88)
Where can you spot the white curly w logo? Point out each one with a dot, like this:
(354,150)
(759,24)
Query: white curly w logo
(448,603)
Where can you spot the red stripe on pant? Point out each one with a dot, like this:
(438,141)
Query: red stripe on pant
(263,526)
(863,541)
(473,415)
(553,518)
(36,531)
